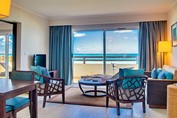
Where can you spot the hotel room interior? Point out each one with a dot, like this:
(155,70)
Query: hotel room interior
(91,41)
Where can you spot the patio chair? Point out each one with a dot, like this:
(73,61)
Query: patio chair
(128,89)
(18,103)
(48,85)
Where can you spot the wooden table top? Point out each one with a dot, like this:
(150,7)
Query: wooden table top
(8,85)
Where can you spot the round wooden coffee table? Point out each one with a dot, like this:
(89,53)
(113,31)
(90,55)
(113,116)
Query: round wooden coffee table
(92,81)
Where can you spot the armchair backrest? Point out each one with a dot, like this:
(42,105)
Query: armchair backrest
(131,88)
(22,75)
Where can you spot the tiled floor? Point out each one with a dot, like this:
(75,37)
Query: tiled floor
(54,110)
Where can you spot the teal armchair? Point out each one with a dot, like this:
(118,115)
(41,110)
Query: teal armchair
(49,85)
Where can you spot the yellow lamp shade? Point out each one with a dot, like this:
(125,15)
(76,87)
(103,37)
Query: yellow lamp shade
(4,8)
(164,46)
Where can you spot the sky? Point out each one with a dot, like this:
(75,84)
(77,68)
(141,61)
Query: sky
(118,41)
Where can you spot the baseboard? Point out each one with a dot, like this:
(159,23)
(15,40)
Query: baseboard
(158,106)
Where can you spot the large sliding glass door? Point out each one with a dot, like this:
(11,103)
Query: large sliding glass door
(88,53)
(6,44)
(104,52)
(121,50)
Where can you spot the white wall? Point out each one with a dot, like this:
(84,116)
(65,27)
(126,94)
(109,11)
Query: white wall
(172,18)
(34,36)
(107,19)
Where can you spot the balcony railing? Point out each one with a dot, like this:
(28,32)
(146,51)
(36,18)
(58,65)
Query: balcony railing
(109,57)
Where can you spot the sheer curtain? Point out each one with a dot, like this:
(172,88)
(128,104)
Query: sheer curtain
(60,52)
(150,33)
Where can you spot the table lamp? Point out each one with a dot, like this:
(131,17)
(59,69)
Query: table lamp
(4,8)
(164,47)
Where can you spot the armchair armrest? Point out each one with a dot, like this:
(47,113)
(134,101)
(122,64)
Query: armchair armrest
(53,73)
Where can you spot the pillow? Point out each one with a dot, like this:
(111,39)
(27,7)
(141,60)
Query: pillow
(128,72)
(158,71)
(37,70)
(45,72)
(161,75)
(168,75)
(120,73)
(154,73)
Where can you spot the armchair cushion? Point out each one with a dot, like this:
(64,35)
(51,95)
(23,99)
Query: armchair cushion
(39,71)
(161,75)
(45,72)
(169,75)
(8,108)
(128,72)
(120,73)
(154,73)
(17,102)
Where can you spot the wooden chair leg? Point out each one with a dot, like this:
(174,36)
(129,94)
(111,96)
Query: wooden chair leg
(44,100)
(118,108)
(14,114)
(63,97)
(144,107)
(30,109)
(107,101)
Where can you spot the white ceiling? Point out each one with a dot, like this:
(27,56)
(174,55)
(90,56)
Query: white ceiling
(53,9)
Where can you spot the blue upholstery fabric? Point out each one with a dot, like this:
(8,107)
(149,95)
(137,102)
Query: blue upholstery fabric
(45,72)
(161,75)
(22,75)
(8,108)
(39,71)
(150,33)
(17,102)
(128,72)
(168,75)
(120,73)
(154,73)
(159,70)
(60,52)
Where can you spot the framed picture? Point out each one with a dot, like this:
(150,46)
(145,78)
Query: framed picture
(174,34)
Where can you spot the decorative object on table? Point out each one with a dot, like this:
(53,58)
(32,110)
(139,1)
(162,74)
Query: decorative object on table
(174,34)
(4,8)
(164,47)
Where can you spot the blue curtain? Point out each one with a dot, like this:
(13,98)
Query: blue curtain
(60,52)
(150,33)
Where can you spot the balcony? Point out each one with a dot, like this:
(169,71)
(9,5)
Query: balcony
(89,64)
